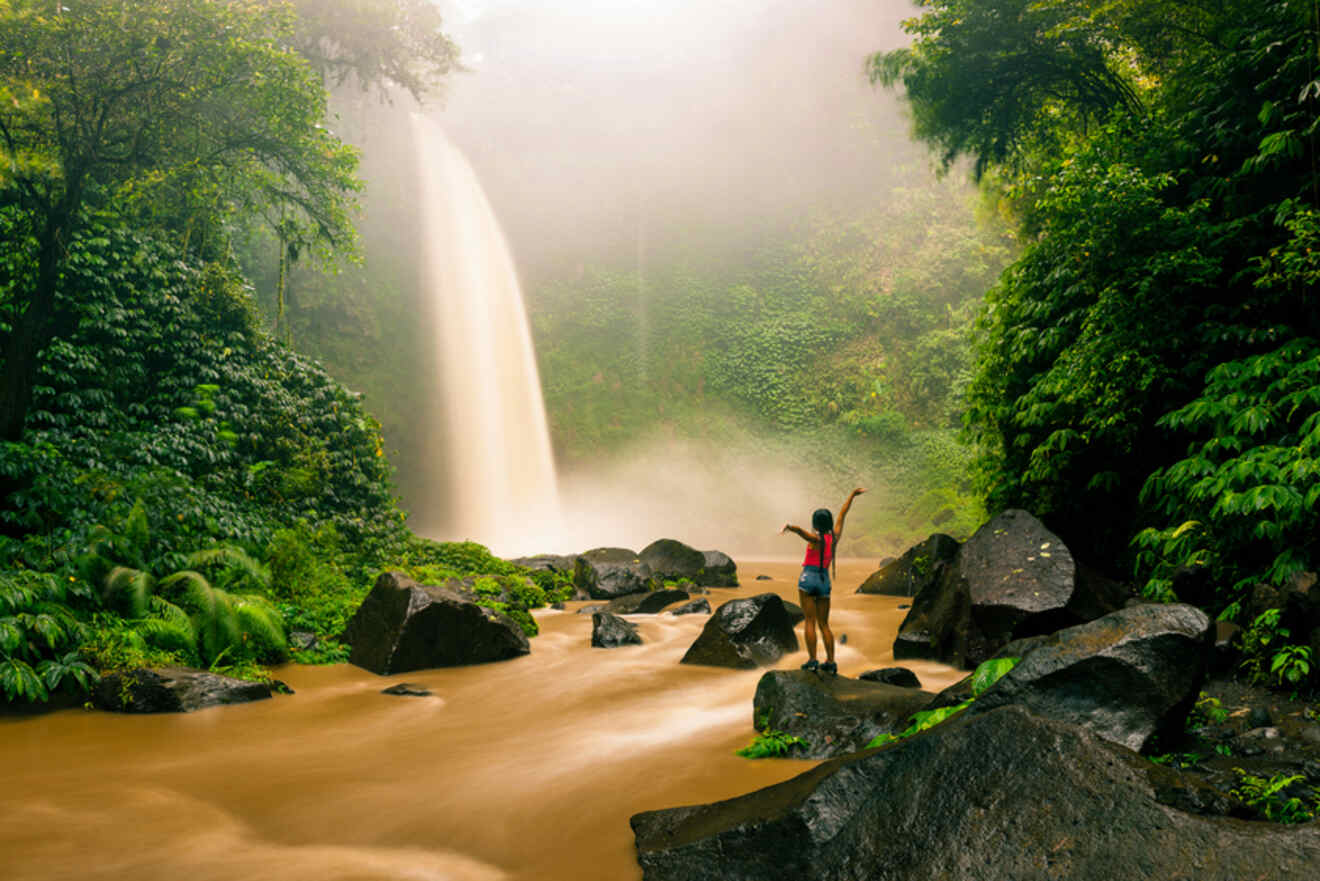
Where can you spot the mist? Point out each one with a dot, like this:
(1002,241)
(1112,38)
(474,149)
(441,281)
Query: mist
(614,133)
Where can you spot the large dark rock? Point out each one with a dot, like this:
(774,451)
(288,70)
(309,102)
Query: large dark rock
(1126,677)
(645,603)
(610,631)
(744,634)
(172,690)
(1012,579)
(607,573)
(670,560)
(920,566)
(835,715)
(900,676)
(1003,796)
(721,571)
(403,626)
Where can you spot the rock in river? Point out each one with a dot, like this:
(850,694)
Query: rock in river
(835,715)
(922,565)
(645,603)
(745,634)
(607,573)
(403,626)
(1004,796)
(700,606)
(610,631)
(172,690)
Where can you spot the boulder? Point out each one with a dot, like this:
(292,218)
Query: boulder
(610,631)
(1126,677)
(921,565)
(403,626)
(1003,796)
(671,560)
(721,571)
(900,676)
(607,573)
(745,634)
(172,690)
(795,613)
(835,715)
(1013,578)
(645,603)
(698,606)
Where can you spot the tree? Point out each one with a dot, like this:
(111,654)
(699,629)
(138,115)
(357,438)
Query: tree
(1166,211)
(376,43)
(192,115)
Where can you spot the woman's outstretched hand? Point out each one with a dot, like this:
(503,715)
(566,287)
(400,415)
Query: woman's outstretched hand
(858,491)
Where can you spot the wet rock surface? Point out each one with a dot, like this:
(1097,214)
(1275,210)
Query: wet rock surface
(900,676)
(1003,796)
(172,690)
(919,567)
(645,603)
(744,634)
(1126,677)
(1012,579)
(610,631)
(721,571)
(403,626)
(835,715)
(607,573)
(699,606)
(407,689)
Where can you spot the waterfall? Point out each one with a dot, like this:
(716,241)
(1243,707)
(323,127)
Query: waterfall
(492,479)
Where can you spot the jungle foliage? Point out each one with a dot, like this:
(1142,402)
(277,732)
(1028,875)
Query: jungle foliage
(180,487)
(1146,370)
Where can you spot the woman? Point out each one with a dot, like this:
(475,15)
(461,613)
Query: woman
(814,583)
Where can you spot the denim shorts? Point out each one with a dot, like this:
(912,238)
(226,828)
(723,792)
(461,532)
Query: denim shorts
(814,582)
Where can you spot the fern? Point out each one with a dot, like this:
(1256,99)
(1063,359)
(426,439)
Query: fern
(235,565)
(129,590)
(19,680)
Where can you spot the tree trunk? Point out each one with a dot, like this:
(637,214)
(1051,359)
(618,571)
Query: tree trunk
(30,333)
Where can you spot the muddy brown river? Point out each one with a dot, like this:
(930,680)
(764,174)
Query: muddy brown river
(526,770)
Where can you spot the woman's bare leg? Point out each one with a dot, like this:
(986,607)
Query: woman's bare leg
(808,603)
(822,615)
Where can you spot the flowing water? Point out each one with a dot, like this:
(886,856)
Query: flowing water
(493,478)
(525,770)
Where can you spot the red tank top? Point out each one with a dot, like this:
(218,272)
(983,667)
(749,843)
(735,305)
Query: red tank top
(813,553)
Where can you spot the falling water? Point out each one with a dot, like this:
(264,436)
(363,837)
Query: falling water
(493,479)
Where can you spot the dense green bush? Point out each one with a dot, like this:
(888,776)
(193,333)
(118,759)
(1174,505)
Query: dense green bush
(39,636)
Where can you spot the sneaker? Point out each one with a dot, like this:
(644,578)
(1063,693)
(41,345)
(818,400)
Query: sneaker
(811,666)
(830,667)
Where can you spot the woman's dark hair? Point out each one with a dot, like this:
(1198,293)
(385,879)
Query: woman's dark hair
(823,522)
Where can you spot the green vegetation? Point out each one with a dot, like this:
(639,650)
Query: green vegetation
(1281,798)
(180,486)
(769,743)
(1146,371)
(985,675)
